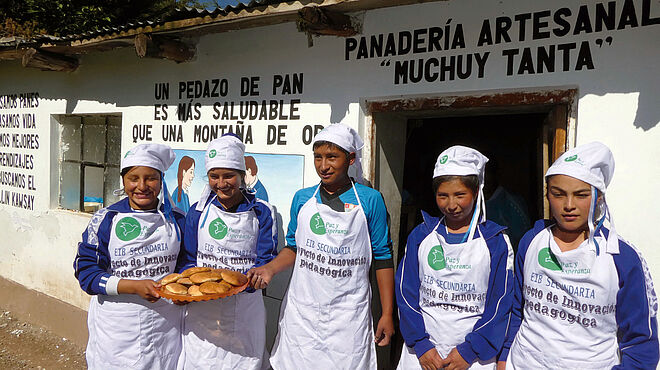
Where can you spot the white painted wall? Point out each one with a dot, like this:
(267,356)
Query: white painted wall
(617,105)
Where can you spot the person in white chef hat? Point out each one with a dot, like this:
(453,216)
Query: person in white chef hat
(228,228)
(338,229)
(454,284)
(583,296)
(125,249)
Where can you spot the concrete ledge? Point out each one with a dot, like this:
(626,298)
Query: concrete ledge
(59,317)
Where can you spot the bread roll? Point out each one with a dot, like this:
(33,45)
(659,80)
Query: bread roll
(234,278)
(194,291)
(211,287)
(194,270)
(203,277)
(169,279)
(185,281)
(176,288)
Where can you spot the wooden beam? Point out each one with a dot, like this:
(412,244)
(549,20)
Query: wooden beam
(152,46)
(46,61)
(317,21)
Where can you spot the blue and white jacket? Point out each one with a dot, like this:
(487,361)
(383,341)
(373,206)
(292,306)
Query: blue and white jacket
(267,238)
(93,262)
(485,340)
(635,310)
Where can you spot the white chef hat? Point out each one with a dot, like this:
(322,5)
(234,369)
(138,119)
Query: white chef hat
(592,163)
(227,151)
(460,160)
(348,139)
(157,156)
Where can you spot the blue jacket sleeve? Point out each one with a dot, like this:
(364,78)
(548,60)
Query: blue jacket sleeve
(636,310)
(516,315)
(92,261)
(188,256)
(486,339)
(407,285)
(267,239)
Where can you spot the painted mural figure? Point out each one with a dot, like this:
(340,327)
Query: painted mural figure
(185,176)
(337,229)
(454,284)
(125,249)
(252,182)
(583,296)
(228,228)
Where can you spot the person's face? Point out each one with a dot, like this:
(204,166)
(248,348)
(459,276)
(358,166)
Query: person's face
(225,183)
(142,186)
(332,165)
(456,202)
(188,176)
(569,200)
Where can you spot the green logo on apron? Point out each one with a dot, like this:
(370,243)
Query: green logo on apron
(443,160)
(212,153)
(571,158)
(218,229)
(317,225)
(548,260)
(437,258)
(127,229)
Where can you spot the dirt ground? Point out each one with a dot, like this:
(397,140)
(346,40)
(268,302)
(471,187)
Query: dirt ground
(27,346)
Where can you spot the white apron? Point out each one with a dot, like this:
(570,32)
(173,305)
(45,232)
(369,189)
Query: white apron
(325,319)
(569,308)
(228,333)
(453,286)
(127,331)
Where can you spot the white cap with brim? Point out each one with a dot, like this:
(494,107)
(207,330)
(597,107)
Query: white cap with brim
(463,161)
(227,151)
(157,156)
(460,161)
(348,139)
(592,163)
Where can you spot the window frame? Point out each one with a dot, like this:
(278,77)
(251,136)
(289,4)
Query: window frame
(82,163)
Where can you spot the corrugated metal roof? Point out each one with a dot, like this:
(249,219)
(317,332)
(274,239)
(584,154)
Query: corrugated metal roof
(177,14)
(187,23)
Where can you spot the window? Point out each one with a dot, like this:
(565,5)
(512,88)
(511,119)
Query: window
(90,153)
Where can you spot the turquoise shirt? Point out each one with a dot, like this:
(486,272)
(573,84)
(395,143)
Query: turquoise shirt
(374,208)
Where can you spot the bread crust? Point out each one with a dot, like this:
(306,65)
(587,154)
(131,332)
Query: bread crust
(194,270)
(194,291)
(176,288)
(170,279)
(211,287)
(203,277)
(234,278)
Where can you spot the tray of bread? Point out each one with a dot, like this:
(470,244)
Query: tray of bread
(202,284)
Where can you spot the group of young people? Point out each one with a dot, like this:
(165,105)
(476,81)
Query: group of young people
(576,296)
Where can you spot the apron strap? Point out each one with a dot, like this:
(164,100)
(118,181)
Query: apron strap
(356,194)
(465,239)
(352,186)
